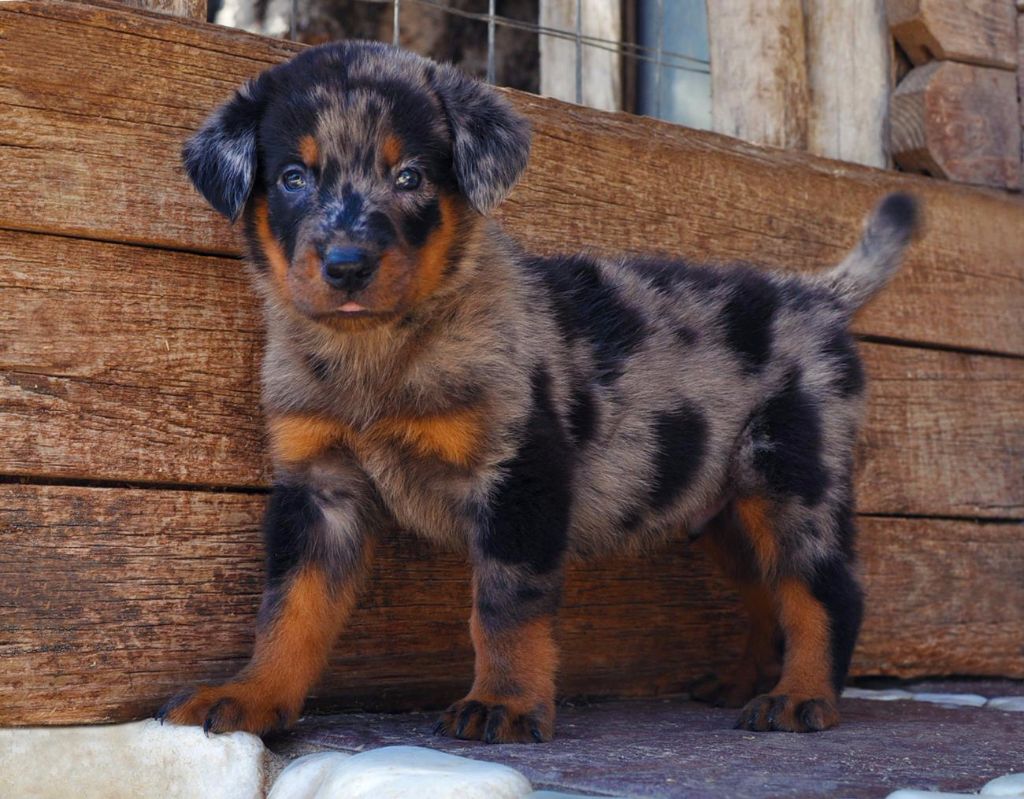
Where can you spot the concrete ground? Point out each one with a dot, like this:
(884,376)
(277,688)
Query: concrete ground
(674,747)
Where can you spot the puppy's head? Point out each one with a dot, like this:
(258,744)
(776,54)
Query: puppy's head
(359,169)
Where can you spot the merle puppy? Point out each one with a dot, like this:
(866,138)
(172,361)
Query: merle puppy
(424,372)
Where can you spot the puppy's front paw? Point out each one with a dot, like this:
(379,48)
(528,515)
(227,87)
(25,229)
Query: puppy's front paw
(230,707)
(495,722)
(780,712)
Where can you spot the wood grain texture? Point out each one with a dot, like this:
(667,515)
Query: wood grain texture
(191,9)
(133,364)
(960,122)
(609,181)
(112,599)
(848,55)
(972,31)
(759,85)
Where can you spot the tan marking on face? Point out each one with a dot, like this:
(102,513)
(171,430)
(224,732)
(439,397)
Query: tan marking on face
(433,255)
(391,149)
(271,248)
(309,151)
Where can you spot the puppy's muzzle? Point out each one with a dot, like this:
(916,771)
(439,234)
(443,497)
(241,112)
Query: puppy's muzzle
(349,269)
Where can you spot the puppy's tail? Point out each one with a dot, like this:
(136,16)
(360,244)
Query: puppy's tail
(878,254)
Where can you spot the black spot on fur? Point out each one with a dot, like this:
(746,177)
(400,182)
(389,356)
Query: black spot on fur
(681,441)
(417,226)
(582,416)
(528,518)
(788,439)
(290,515)
(748,318)
(586,306)
(834,585)
(686,335)
(849,373)
(320,367)
(379,230)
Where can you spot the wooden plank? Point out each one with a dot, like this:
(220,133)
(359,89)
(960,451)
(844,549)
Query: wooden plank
(190,9)
(959,122)
(848,55)
(759,88)
(601,69)
(127,363)
(135,364)
(111,599)
(972,31)
(615,182)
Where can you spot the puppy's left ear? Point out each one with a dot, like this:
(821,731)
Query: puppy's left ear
(491,142)
(221,157)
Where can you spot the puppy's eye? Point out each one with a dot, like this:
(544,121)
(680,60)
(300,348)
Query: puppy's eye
(293,179)
(407,180)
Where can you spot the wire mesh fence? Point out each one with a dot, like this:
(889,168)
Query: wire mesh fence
(644,56)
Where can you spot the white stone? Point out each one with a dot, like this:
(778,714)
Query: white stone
(1008,785)
(960,700)
(129,761)
(303,777)
(1011,703)
(883,695)
(398,772)
(911,793)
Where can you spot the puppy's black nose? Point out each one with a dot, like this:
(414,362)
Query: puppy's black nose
(349,268)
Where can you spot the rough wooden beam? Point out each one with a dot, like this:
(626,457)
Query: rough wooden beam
(960,122)
(759,86)
(972,31)
(848,55)
(601,69)
(132,364)
(112,599)
(189,9)
(614,182)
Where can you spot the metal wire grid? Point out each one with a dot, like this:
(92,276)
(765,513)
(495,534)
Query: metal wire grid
(657,55)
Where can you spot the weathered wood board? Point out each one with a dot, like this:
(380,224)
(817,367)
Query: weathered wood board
(122,596)
(959,122)
(134,364)
(609,181)
(972,31)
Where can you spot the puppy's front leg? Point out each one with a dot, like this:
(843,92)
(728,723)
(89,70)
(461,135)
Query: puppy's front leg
(512,626)
(316,536)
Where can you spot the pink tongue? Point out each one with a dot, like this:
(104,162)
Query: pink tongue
(350,307)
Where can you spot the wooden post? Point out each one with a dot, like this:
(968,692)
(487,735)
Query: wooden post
(759,86)
(848,64)
(971,31)
(601,73)
(958,121)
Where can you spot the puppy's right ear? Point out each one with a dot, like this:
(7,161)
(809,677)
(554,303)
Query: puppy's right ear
(221,157)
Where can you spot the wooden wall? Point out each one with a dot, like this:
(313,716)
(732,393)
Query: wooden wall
(132,475)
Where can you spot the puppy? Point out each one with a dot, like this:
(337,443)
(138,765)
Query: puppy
(424,372)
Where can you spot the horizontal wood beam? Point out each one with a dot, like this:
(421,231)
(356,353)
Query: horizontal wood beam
(611,181)
(135,364)
(112,599)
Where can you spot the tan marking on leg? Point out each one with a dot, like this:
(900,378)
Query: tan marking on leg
(755,516)
(291,652)
(807,668)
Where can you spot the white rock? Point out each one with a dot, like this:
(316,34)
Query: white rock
(303,777)
(1008,785)
(129,761)
(1012,703)
(911,793)
(961,700)
(399,772)
(883,695)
